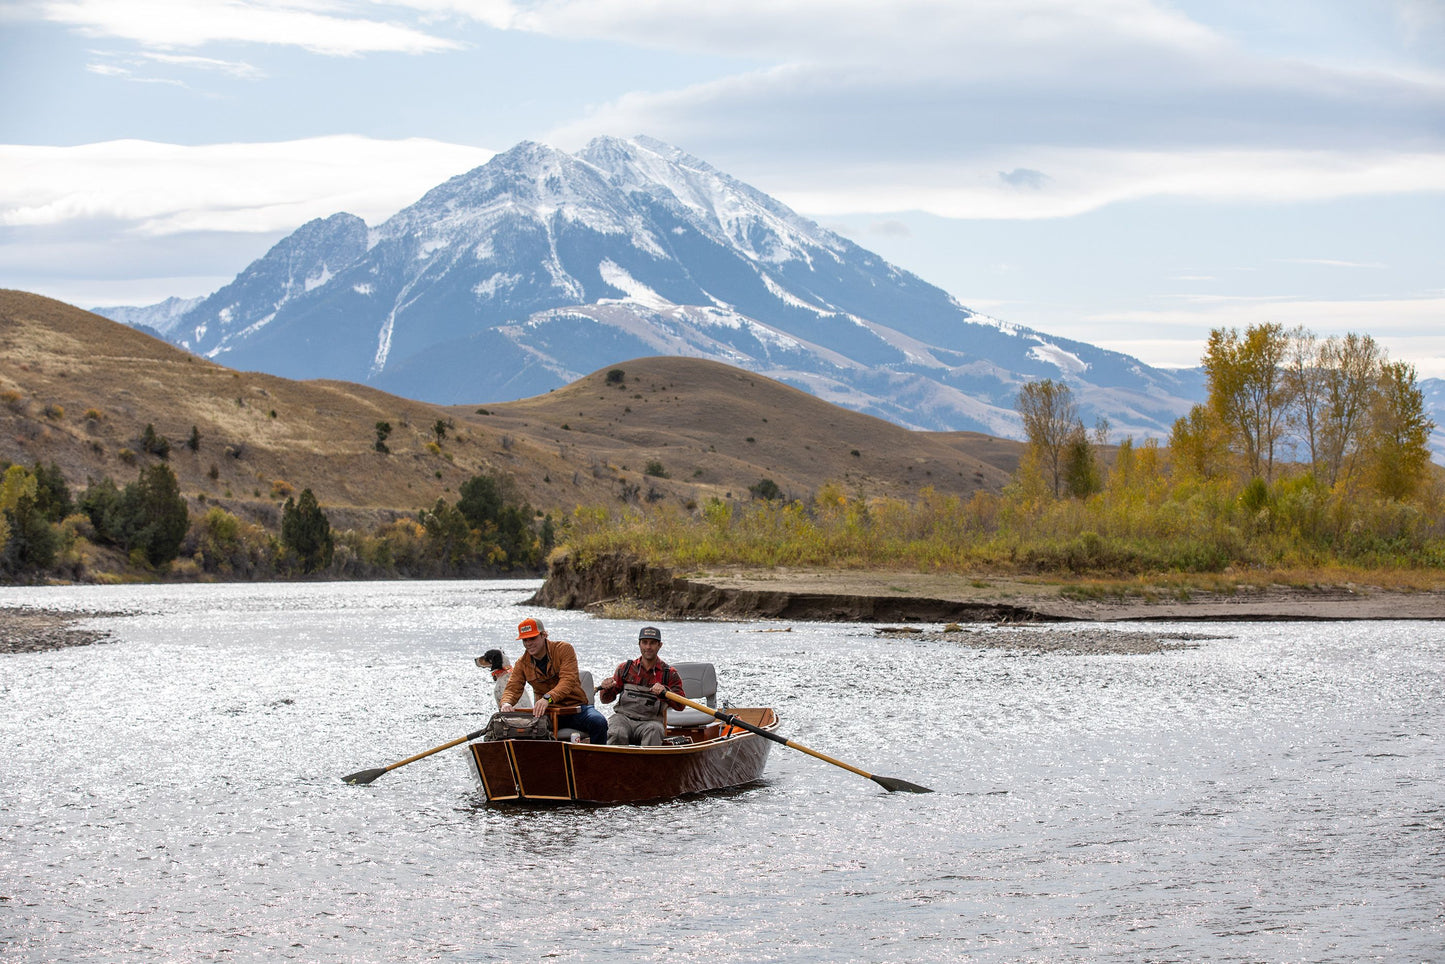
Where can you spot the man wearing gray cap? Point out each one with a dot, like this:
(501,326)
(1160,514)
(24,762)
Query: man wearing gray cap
(638,685)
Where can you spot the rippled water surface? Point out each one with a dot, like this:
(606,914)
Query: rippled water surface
(175,795)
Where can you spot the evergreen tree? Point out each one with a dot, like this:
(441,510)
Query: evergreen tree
(448,534)
(157,445)
(480,500)
(152,516)
(52,495)
(101,502)
(306,531)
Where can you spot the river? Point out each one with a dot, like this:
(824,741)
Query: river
(1272,794)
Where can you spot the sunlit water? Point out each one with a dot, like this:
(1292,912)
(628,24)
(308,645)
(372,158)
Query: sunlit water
(175,795)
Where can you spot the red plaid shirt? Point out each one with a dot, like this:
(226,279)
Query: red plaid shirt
(635,673)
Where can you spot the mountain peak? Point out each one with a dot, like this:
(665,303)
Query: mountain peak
(539,266)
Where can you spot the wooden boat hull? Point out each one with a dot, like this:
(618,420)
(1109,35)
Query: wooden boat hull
(547,770)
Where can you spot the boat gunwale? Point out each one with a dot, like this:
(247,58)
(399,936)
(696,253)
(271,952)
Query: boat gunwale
(730,735)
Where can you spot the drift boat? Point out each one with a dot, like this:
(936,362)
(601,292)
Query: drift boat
(704,749)
(699,753)
(713,757)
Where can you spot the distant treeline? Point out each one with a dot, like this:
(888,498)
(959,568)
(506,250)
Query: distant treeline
(146,530)
(1308,454)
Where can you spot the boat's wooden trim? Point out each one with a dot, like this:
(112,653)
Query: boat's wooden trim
(544,770)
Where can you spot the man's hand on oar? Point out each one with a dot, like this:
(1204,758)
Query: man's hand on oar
(888,783)
(366,776)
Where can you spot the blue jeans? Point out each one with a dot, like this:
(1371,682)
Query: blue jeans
(589,721)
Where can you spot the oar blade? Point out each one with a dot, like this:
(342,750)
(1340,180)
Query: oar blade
(365,776)
(894,784)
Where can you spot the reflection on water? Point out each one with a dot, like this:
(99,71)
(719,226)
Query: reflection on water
(176,794)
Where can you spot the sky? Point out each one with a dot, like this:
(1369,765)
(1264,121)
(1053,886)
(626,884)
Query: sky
(1128,173)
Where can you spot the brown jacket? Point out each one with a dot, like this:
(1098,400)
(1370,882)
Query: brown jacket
(561,679)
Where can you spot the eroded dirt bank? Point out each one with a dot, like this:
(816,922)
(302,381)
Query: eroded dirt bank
(851,596)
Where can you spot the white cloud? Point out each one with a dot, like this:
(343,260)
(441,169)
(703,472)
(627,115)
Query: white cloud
(1007,109)
(1409,328)
(231,67)
(157,189)
(1333,263)
(1089,179)
(324,28)
(911,32)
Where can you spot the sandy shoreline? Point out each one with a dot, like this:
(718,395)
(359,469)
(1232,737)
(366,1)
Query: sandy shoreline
(24,630)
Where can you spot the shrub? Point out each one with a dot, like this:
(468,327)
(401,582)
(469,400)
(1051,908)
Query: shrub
(157,445)
(765,489)
(654,468)
(616,377)
(55,413)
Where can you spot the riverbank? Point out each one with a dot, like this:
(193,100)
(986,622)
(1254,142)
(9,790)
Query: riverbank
(623,586)
(40,630)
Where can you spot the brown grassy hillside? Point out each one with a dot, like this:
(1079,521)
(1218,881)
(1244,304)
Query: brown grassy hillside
(715,430)
(78,389)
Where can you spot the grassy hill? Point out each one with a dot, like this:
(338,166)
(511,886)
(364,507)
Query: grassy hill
(79,390)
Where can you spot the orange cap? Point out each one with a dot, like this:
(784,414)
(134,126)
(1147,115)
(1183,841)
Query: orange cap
(528,628)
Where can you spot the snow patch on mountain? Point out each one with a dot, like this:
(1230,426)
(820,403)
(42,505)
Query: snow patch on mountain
(788,298)
(1065,361)
(634,290)
(497,282)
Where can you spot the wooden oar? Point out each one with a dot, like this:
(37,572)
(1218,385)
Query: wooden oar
(366,776)
(887,783)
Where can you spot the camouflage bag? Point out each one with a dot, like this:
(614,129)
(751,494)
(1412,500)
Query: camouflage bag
(639,703)
(517,725)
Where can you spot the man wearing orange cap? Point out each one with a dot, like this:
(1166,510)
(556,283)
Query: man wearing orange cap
(550,666)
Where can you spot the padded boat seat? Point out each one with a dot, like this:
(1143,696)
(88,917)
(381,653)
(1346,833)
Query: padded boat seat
(699,684)
(559,720)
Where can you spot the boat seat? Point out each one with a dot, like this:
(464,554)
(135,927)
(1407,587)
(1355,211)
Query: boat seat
(699,684)
(559,715)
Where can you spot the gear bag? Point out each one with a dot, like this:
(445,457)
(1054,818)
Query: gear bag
(638,703)
(517,726)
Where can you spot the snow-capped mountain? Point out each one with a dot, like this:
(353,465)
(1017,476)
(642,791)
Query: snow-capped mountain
(159,319)
(541,266)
